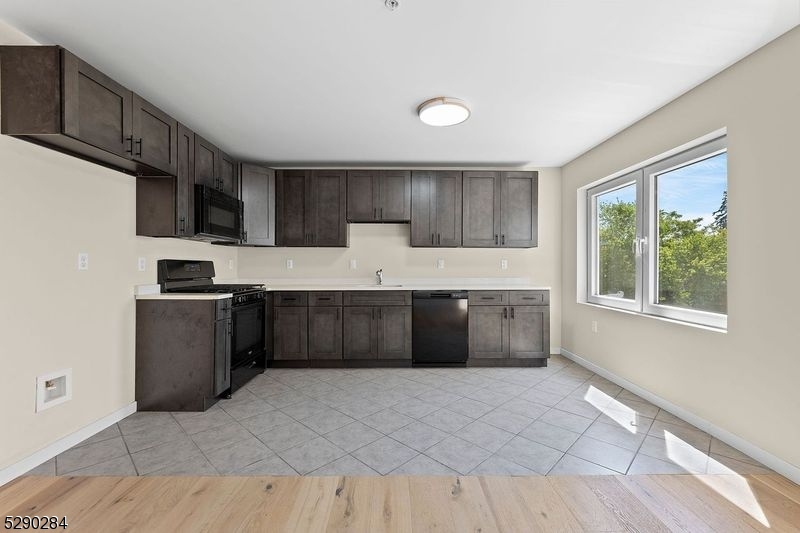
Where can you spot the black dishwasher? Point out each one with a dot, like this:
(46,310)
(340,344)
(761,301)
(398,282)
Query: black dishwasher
(440,328)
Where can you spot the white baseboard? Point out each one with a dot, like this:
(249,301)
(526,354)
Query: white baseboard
(64,444)
(775,463)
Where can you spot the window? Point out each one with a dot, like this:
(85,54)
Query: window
(657,238)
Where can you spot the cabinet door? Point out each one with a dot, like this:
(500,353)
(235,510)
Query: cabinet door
(488,332)
(423,224)
(291,205)
(97,110)
(394,203)
(184,183)
(481,209)
(529,331)
(519,209)
(327,212)
(360,332)
(222,356)
(291,333)
(394,332)
(228,175)
(325,333)
(362,195)
(447,210)
(258,196)
(155,136)
(206,163)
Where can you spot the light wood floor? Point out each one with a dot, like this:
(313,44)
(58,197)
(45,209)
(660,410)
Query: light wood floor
(571,503)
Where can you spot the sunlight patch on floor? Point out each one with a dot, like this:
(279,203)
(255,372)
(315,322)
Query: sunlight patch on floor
(728,484)
(614,409)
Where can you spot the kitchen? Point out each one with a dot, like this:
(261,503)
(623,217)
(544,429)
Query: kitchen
(315,231)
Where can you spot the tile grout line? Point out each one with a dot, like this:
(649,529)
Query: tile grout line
(195,444)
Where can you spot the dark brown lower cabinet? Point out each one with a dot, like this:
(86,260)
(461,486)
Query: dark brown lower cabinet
(509,331)
(183,353)
(394,332)
(324,332)
(375,332)
(291,333)
(360,332)
(488,332)
(529,332)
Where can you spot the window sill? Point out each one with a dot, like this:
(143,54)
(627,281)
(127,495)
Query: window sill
(656,317)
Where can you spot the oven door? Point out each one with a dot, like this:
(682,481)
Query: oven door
(218,217)
(248,333)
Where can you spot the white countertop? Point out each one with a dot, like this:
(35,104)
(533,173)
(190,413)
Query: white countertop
(151,292)
(179,296)
(397,284)
(403,287)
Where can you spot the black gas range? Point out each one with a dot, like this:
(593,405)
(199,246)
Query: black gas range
(247,316)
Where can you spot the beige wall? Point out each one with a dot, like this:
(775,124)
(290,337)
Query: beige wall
(52,316)
(387,246)
(746,380)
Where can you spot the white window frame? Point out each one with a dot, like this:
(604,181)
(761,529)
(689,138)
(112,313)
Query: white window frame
(647,238)
(593,235)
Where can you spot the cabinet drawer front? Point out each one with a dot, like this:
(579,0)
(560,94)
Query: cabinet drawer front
(377,298)
(488,297)
(291,299)
(530,298)
(324,298)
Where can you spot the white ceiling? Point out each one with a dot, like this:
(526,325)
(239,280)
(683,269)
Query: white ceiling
(338,81)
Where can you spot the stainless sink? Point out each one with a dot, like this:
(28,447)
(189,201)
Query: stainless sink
(376,285)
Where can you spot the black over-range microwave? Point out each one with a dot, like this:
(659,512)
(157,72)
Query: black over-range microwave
(218,216)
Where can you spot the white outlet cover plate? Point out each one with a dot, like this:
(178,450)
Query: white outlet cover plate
(353,264)
(83,261)
(142,264)
(289,264)
(440,263)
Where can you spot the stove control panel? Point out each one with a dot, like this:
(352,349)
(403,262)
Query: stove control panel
(242,299)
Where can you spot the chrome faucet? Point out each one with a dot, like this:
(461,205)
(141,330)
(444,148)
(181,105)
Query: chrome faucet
(379,273)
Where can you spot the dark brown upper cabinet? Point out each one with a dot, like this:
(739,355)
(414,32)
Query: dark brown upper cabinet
(258,196)
(184,182)
(311,208)
(165,206)
(378,195)
(155,136)
(207,165)
(500,209)
(481,209)
(228,175)
(436,208)
(97,110)
(520,209)
(214,168)
(51,97)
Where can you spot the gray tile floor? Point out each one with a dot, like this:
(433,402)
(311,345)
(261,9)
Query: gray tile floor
(558,420)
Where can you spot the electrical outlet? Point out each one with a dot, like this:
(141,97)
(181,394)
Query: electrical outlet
(230,264)
(289,264)
(353,264)
(594,326)
(440,263)
(83,261)
(504,264)
(142,264)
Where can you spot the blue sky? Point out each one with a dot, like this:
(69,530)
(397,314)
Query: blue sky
(694,191)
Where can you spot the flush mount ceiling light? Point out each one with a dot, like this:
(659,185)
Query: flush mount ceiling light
(443,111)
